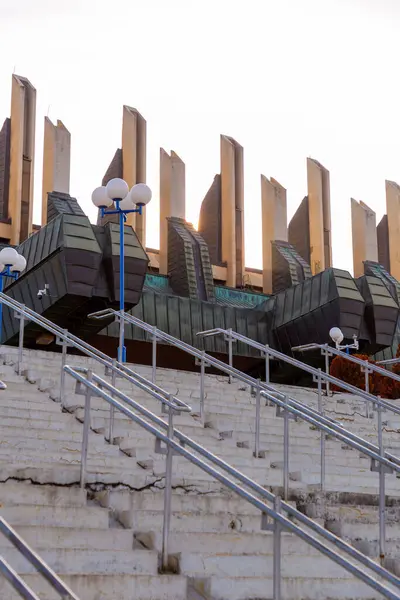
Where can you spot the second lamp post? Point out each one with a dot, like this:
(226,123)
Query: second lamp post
(116,198)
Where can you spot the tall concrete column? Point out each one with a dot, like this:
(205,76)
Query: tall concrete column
(393,221)
(232,210)
(365,241)
(22,155)
(172,199)
(274,224)
(134,161)
(56,161)
(319,207)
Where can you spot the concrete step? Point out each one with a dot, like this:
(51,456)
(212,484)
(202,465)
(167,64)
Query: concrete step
(21,493)
(94,517)
(107,587)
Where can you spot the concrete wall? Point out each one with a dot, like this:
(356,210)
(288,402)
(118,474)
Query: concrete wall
(134,161)
(319,216)
(172,199)
(365,241)
(56,161)
(393,219)
(274,224)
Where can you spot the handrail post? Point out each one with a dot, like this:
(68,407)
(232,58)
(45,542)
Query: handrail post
(267,364)
(367,372)
(202,374)
(382,503)
(112,409)
(21,339)
(167,493)
(230,352)
(327,372)
(257,428)
(322,433)
(85,436)
(64,345)
(154,356)
(286,451)
(277,552)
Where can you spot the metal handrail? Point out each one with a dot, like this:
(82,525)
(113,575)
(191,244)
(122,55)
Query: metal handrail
(265,349)
(366,366)
(16,581)
(280,521)
(66,339)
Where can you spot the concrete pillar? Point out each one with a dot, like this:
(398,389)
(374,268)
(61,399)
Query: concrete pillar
(172,199)
(365,241)
(274,224)
(232,210)
(134,161)
(319,206)
(393,218)
(56,161)
(22,154)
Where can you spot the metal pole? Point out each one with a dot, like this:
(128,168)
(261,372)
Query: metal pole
(267,365)
(230,352)
(122,349)
(86,427)
(277,552)
(63,363)
(327,371)
(21,340)
(258,411)
(154,357)
(112,409)
(322,433)
(367,390)
(167,493)
(382,507)
(285,452)
(202,373)
(1,308)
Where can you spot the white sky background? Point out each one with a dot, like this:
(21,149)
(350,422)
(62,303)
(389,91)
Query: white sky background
(286,78)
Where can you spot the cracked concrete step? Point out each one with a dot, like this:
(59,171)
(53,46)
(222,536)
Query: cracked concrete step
(24,493)
(73,561)
(107,587)
(99,421)
(74,538)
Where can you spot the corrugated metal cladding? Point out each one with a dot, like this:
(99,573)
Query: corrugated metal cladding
(381,312)
(305,313)
(184,317)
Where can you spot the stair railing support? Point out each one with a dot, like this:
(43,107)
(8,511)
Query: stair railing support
(85,436)
(167,493)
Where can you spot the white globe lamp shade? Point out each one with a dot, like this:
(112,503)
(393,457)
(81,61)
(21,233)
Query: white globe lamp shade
(140,194)
(100,197)
(126,203)
(8,256)
(117,189)
(20,264)
(335,333)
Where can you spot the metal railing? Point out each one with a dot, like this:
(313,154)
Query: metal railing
(275,519)
(366,367)
(41,567)
(285,405)
(65,339)
(381,461)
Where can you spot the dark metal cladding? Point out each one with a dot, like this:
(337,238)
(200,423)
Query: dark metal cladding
(381,312)
(306,312)
(189,265)
(59,203)
(299,231)
(210,221)
(288,267)
(67,255)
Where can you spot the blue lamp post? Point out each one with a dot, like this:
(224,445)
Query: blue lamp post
(116,199)
(11,265)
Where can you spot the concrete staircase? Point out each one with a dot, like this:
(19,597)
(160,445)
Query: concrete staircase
(105,541)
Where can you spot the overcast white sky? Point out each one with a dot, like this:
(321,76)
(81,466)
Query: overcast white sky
(287,78)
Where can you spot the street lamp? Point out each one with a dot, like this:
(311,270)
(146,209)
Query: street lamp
(337,336)
(116,199)
(11,265)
